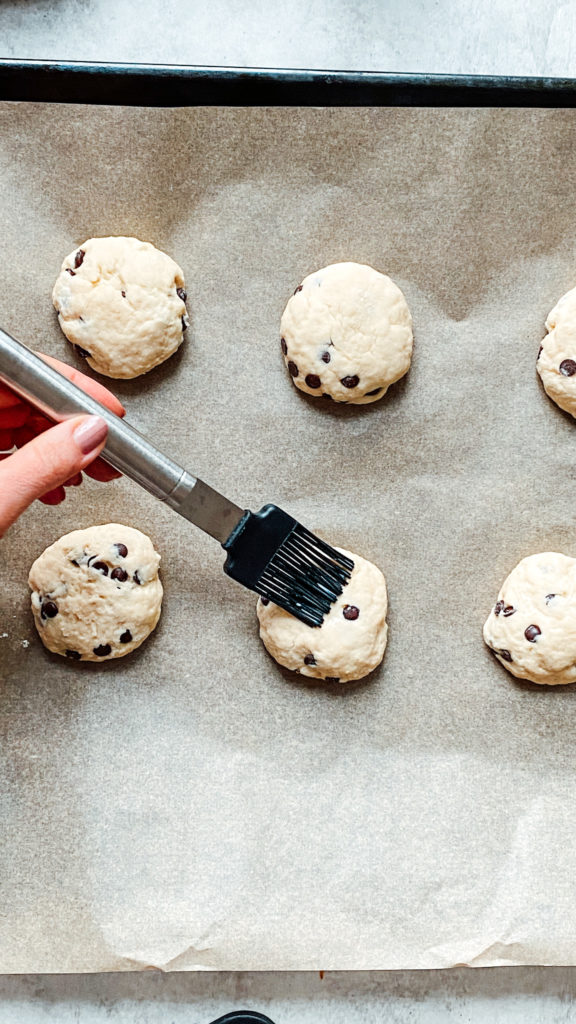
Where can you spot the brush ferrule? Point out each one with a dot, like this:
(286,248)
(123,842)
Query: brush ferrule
(254,542)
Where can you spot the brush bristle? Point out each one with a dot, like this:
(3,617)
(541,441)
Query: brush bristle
(305,576)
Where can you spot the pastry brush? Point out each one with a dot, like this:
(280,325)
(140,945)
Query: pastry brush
(268,551)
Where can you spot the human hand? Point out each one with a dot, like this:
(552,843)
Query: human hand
(49,458)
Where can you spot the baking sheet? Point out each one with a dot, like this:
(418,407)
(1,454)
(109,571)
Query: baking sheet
(196,806)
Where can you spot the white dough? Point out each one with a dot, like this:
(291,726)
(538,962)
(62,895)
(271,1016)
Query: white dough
(532,628)
(121,302)
(347,323)
(556,362)
(81,611)
(341,649)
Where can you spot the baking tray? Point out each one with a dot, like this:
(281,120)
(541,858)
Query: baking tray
(166,86)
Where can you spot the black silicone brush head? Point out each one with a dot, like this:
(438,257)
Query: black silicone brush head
(243,1017)
(274,555)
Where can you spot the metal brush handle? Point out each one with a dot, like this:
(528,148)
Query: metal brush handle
(126,449)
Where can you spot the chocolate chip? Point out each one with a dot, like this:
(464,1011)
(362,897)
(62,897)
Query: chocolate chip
(312,380)
(549,597)
(136,578)
(284,346)
(325,357)
(309,659)
(567,367)
(71,272)
(119,574)
(181,294)
(540,350)
(126,637)
(498,607)
(298,289)
(82,352)
(332,679)
(123,295)
(184,324)
(505,655)
(264,601)
(122,550)
(103,650)
(375,392)
(350,382)
(79,258)
(532,633)
(73,655)
(74,562)
(324,395)
(100,567)
(292,369)
(508,610)
(49,610)
(350,612)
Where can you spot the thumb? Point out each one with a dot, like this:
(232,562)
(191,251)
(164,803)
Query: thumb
(46,462)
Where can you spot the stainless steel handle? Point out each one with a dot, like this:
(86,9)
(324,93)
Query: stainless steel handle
(126,449)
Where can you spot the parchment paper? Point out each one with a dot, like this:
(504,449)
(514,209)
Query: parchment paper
(195,806)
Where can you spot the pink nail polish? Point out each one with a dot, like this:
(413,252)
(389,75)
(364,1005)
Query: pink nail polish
(89,434)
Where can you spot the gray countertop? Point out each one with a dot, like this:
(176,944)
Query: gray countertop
(513,37)
(518,37)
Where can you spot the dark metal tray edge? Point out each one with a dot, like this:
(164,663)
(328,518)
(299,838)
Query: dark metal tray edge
(163,85)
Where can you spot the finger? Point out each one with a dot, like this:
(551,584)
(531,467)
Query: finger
(73,481)
(90,386)
(8,398)
(35,425)
(53,497)
(44,463)
(14,417)
(101,471)
(39,422)
(24,434)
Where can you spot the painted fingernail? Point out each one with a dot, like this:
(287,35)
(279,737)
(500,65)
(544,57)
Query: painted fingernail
(90,433)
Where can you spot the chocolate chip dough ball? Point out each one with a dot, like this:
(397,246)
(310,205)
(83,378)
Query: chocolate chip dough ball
(96,593)
(350,642)
(532,627)
(346,334)
(121,303)
(556,361)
